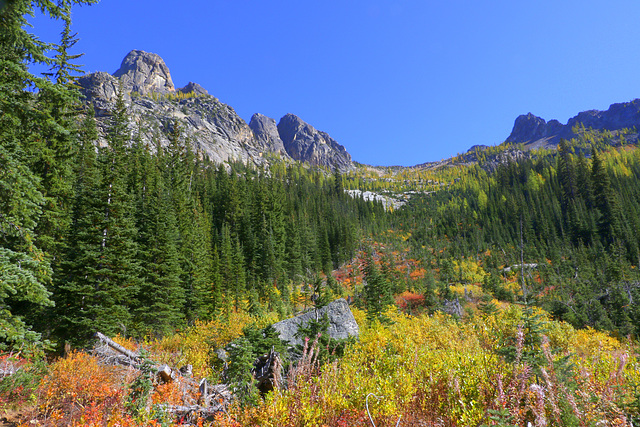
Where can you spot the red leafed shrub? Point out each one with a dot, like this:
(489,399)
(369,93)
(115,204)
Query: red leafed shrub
(80,391)
(409,300)
(18,380)
(352,418)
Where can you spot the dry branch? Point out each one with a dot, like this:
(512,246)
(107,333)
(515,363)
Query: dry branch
(113,353)
(211,398)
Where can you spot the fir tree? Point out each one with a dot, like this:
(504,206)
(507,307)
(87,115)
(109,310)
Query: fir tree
(160,302)
(605,201)
(102,274)
(25,122)
(377,290)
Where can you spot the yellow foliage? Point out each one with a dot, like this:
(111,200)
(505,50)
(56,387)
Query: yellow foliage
(438,370)
(127,343)
(196,346)
(470,270)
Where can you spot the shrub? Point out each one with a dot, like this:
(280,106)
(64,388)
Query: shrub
(197,345)
(20,381)
(78,388)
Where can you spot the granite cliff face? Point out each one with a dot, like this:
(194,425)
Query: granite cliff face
(306,144)
(144,73)
(214,128)
(266,133)
(536,132)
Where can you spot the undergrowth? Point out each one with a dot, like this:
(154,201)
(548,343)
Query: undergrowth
(510,367)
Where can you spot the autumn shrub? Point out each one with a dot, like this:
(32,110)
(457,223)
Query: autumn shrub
(19,378)
(435,370)
(197,345)
(77,388)
(409,301)
(171,393)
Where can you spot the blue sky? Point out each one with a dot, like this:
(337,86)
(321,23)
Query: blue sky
(395,82)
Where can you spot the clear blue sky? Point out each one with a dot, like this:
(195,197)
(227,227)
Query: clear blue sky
(395,82)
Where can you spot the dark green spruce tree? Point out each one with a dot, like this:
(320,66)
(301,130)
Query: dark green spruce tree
(377,290)
(605,201)
(160,301)
(102,273)
(26,121)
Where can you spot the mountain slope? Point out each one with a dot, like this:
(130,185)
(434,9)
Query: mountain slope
(212,126)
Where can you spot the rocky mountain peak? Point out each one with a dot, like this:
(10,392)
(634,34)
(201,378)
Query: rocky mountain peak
(536,132)
(304,143)
(529,127)
(214,128)
(144,72)
(266,132)
(192,87)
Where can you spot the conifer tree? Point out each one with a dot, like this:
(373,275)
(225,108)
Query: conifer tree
(204,292)
(238,285)
(25,121)
(59,103)
(102,273)
(23,270)
(293,254)
(377,290)
(160,302)
(226,268)
(605,201)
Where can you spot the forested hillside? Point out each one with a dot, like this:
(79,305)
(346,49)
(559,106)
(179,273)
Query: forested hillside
(564,222)
(148,239)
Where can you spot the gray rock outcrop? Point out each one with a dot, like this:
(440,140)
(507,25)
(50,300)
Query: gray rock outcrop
(306,144)
(535,132)
(529,128)
(144,73)
(212,127)
(100,89)
(342,324)
(266,133)
(453,308)
(194,88)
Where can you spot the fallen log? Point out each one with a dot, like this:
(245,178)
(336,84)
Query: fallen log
(191,414)
(211,398)
(114,353)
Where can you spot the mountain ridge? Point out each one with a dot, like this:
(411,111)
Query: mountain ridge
(216,129)
(211,126)
(535,132)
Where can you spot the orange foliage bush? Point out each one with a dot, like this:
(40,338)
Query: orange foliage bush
(171,393)
(79,391)
(127,343)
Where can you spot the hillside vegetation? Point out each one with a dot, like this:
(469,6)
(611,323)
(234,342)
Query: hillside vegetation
(499,289)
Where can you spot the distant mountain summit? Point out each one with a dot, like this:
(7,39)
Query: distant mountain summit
(212,127)
(306,144)
(144,73)
(535,132)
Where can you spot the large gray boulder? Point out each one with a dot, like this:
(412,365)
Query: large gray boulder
(342,324)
